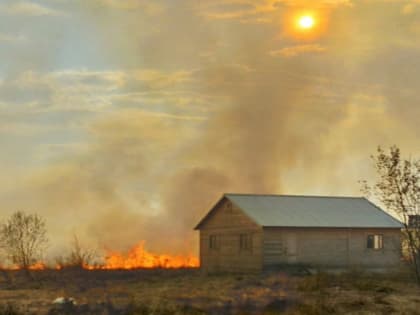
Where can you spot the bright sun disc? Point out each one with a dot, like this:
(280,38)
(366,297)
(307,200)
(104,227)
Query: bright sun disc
(306,21)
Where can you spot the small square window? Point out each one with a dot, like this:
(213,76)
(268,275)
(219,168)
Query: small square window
(375,241)
(214,242)
(245,242)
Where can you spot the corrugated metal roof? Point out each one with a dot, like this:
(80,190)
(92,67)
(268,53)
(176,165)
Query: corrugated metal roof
(313,211)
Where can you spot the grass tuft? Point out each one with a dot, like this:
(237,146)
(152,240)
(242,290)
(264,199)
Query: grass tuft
(9,309)
(318,308)
(315,282)
(163,309)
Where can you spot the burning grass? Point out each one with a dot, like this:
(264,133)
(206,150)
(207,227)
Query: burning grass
(187,291)
(138,257)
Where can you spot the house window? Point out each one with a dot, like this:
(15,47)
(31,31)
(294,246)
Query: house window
(245,242)
(214,242)
(375,241)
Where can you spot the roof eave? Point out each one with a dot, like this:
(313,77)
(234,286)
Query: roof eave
(383,211)
(198,226)
(333,227)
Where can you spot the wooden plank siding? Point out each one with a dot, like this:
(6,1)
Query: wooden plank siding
(227,223)
(335,247)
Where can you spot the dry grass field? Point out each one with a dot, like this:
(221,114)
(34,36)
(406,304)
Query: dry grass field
(167,292)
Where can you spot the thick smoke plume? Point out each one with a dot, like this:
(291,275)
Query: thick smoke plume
(203,102)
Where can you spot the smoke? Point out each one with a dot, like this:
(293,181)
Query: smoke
(248,145)
(147,177)
(199,107)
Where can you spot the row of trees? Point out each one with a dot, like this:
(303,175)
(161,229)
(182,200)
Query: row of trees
(23,241)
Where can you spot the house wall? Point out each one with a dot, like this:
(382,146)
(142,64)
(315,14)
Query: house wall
(329,247)
(227,224)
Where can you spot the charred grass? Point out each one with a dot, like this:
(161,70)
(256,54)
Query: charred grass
(172,292)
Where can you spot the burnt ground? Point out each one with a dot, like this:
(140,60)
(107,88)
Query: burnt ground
(166,292)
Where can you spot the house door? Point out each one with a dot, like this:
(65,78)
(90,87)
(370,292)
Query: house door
(280,249)
(274,252)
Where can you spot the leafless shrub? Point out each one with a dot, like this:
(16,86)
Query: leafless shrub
(79,256)
(23,238)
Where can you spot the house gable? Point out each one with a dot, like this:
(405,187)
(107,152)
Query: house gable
(226,214)
(223,233)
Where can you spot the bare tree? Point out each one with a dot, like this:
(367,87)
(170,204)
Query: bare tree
(79,256)
(23,238)
(3,271)
(398,188)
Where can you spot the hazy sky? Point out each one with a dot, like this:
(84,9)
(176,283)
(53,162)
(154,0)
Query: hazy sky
(123,120)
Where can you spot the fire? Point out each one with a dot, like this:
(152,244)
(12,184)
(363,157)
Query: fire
(136,258)
(139,257)
(38,266)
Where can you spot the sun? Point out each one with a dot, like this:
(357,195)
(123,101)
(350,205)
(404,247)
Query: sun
(306,22)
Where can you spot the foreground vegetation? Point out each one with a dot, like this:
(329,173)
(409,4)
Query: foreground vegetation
(170,292)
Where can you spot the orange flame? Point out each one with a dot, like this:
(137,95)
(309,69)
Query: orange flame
(138,257)
(38,266)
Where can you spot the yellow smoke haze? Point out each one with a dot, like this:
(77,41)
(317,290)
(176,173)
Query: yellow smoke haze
(124,121)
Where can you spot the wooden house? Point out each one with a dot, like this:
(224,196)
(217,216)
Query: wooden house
(244,232)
